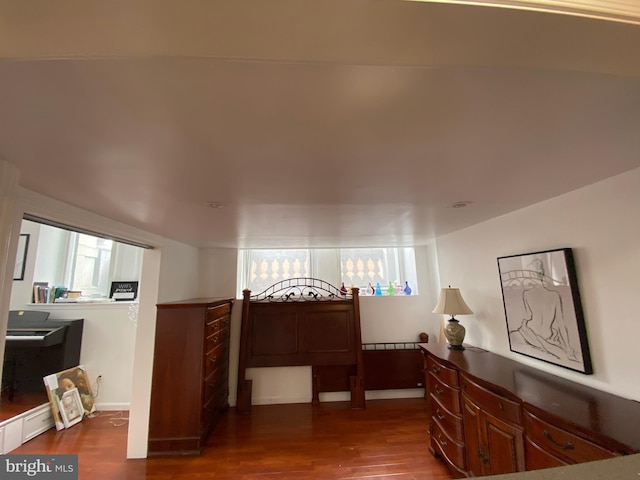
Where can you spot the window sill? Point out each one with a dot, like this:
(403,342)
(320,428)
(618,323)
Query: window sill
(114,305)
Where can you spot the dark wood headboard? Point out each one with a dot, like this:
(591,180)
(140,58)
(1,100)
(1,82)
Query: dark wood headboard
(300,321)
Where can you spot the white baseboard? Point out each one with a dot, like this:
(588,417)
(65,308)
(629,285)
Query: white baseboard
(400,393)
(342,396)
(280,400)
(112,406)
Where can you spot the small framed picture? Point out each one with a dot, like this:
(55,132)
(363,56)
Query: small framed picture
(64,390)
(543,309)
(70,406)
(124,291)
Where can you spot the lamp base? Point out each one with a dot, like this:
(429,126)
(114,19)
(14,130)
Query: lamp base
(454,332)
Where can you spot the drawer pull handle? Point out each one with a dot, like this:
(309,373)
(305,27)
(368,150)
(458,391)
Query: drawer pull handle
(441,440)
(213,360)
(438,390)
(483,457)
(439,414)
(500,406)
(565,446)
(435,370)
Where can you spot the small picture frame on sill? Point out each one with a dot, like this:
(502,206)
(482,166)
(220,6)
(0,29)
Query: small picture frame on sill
(123,291)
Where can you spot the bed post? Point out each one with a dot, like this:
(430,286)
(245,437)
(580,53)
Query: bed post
(243,395)
(357,381)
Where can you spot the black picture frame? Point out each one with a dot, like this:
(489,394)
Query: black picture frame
(21,256)
(543,310)
(123,291)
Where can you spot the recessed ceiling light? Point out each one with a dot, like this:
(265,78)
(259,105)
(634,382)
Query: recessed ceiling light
(215,204)
(460,204)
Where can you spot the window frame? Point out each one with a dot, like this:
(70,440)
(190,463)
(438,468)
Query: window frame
(64,251)
(325,264)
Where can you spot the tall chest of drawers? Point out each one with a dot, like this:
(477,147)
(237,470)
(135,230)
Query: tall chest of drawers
(445,413)
(489,415)
(190,383)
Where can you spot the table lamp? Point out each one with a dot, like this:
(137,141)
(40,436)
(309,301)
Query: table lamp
(451,303)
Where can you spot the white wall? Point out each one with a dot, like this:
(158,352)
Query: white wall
(601,223)
(217,272)
(178,272)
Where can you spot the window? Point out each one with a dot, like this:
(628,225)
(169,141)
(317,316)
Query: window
(88,267)
(82,262)
(387,267)
(266,267)
(358,267)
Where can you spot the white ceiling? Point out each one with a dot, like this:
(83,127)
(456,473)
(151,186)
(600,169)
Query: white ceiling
(315,123)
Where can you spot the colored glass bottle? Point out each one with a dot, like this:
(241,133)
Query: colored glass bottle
(390,289)
(378,290)
(371,290)
(343,289)
(407,288)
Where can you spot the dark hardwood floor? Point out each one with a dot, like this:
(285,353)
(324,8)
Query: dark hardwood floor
(388,440)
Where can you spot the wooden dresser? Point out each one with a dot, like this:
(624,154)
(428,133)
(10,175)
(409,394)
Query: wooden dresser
(190,385)
(490,415)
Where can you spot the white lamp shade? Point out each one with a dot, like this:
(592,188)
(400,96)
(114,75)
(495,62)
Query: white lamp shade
(451,302)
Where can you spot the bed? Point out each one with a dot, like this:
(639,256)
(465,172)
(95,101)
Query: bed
(302,322)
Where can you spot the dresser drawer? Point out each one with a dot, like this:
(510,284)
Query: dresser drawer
(212,385)
(449,422)
(447,396)
(214,340)
(209,389)
(537,458)
(224,323)
(562,443)
(446,375)
(216,359)
(221,398)
(217,325)
(492,403)
(212,327)
(214,407)
(218,311)
(448,447)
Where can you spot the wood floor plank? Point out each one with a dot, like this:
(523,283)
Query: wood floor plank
(387,440)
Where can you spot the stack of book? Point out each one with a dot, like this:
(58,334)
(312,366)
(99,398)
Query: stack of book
(43,293)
